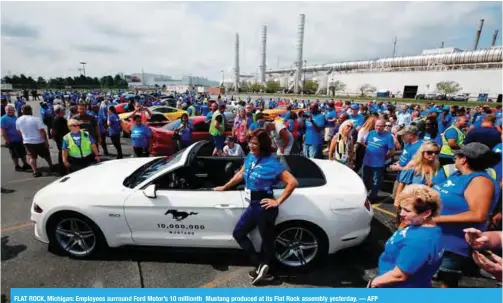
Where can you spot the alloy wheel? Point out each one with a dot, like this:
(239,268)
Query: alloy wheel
(75,236)
(296,246)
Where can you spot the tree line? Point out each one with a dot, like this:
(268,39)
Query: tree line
(78,82)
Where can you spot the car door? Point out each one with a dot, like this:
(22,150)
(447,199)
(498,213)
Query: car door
(180,217)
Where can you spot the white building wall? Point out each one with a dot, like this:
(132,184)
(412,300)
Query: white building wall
(472,81)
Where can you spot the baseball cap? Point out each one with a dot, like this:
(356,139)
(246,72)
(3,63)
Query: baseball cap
(408,130)
(355,106)
(474,151)
(229,139)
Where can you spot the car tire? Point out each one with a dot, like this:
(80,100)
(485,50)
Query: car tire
(310,234)
(88,232)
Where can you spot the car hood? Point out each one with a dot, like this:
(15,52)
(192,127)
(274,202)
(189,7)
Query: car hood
(104,177)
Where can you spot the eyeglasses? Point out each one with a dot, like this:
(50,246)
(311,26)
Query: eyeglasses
(431,152)
(74,125)
(388,125)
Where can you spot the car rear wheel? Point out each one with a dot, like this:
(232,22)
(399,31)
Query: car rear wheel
(300,245)
(75,236)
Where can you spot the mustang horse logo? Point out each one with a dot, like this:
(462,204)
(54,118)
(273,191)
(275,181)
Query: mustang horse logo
(179,215)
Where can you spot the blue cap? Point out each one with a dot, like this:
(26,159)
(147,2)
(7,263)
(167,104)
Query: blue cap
(355,106)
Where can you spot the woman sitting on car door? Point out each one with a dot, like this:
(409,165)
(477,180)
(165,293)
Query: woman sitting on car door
(260,172)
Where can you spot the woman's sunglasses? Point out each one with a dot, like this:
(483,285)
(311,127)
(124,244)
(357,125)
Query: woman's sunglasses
(430,152)
(388,125)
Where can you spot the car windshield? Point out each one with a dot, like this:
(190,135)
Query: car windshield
(151,168)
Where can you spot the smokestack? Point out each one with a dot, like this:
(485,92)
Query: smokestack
(394,46)
(442,46)
(236,64)
(495,36)
(300,46)
(263,55)
(477,36)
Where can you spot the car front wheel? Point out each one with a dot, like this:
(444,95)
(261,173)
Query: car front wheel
(300,245)
(75,236)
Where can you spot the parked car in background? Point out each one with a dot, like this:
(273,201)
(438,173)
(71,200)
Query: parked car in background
(157,120)
(165,145)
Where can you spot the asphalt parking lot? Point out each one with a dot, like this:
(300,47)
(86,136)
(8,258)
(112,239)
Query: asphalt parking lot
(27,262)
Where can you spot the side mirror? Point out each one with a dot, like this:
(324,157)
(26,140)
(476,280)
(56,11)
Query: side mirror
(150,191)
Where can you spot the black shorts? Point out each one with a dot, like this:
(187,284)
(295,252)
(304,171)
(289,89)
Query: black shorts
(35,150)
(17,150)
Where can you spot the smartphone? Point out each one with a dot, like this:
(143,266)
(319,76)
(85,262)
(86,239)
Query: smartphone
(488,255)
(472,238)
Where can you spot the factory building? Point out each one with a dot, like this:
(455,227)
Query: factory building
(151,80)
(477,72)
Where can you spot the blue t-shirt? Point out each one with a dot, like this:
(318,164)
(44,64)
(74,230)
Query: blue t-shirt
(378,145)
(497,149)
(209,116)
(418,251)
(205,109)
(437,139)
(261,173)
(331,114)
(256,125)
(454,202)
(185,133)
(115,125)
(314,137)
(9,124)
(357,120)
(409,176)
(76,139)
(478,120)
(140,135)
(443,126)
(408,153)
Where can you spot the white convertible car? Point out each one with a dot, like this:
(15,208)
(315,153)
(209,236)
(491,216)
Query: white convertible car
(170,202)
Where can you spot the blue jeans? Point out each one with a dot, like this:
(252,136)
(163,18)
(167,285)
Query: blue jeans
(313,151)
(372,178)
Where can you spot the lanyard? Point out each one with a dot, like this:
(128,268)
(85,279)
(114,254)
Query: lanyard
(251,170)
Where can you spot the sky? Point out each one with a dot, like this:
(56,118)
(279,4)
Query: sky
(49,39)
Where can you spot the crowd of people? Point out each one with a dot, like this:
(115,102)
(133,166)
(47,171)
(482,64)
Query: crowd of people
(447,190)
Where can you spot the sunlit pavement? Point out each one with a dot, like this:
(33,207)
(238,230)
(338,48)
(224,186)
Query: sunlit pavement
(27,263)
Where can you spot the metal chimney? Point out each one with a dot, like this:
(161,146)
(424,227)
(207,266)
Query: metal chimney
(263,55)
(300,46)
(236,64)
(495,36)
(477,36)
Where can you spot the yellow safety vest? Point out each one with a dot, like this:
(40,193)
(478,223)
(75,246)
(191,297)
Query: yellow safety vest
(446,149)
(450,168)
(81,151)
(214,131)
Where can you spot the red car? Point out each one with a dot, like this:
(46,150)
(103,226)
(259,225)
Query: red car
(121,108)
(163,143)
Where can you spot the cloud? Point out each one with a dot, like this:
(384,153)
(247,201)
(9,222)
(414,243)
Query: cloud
(114,31)
(180,38)
(99,49)
(18,30)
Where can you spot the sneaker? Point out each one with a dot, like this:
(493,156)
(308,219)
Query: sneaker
(262,274)
(18,168)
(37,174)
(26,167)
